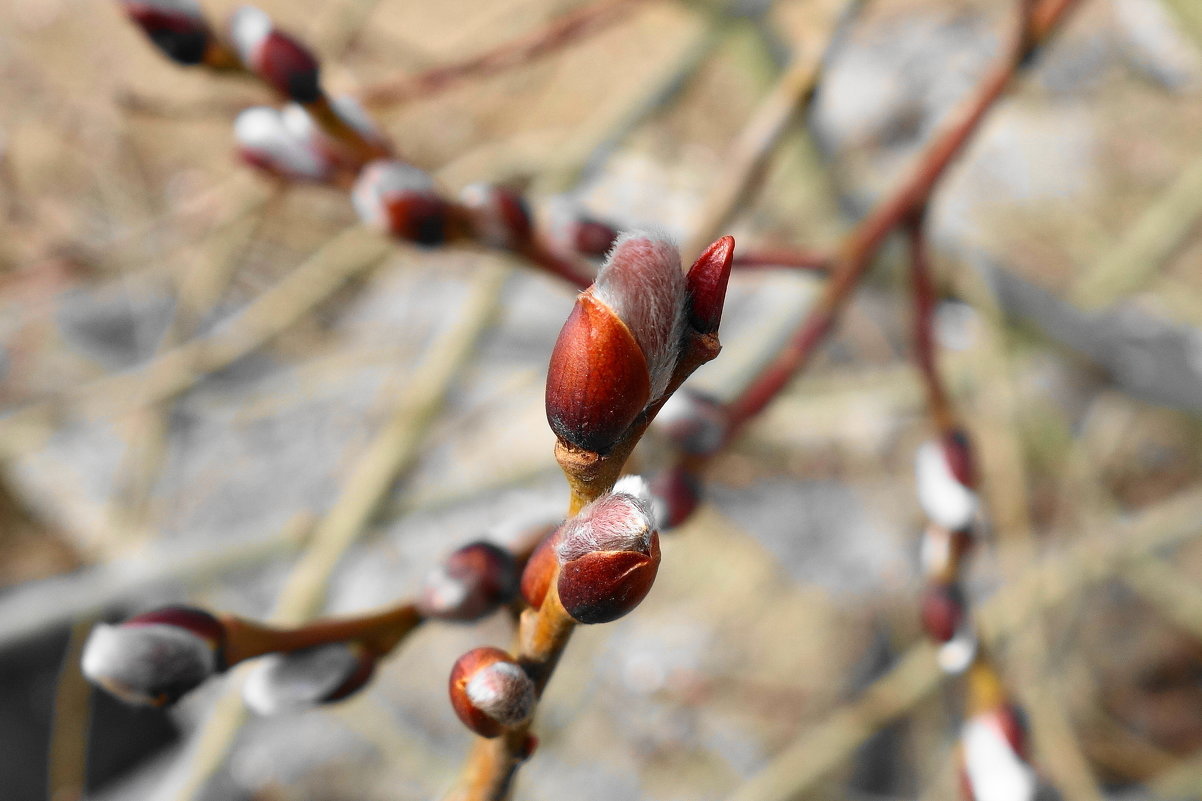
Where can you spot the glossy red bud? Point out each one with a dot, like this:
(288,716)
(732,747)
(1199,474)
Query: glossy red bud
(289,68)
(597,382)
(490,691)
(706,283)
(472,582)
(943,611)
(540,568)
(605,585)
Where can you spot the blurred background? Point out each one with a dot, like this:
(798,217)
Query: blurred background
(1067,240)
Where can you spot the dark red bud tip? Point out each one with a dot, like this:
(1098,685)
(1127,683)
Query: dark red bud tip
(605,585)
(541,566)
(706,282)
(942,611)
(490,692)
(597,382)
(289,68)
(675,495)
(957,448)
(182,37)
(474,581)
(197,621)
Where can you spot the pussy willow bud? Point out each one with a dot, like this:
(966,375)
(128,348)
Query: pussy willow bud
(274,142)
(995,766)
(403,201)
(693,421)
(608,554)
(574,231)
(943,610)
(347,109)
(945,498)
(619,348)
(539,570)
(675,495)
(296,681)
(157,657)
(280,60)
(472,582)
(490,692)
(498,216)
(707,282)
(176,27)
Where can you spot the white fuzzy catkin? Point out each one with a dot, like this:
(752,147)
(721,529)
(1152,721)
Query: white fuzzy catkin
(140,662)
(621,520)
(280,139)
(994,771)
(502,691)
(945,500)
(384,178)
(642,282)
(249,28)
(297,681)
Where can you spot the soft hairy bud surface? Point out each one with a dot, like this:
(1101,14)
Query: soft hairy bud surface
(297,681)
(149,662)
(472,582)
(944,498)
(490,692)
(279,143)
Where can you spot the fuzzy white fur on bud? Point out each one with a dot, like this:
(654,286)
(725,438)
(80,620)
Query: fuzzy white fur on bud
(382,179)
(995,772)
(280,141)
(621,520)
(945,500)
(299,121)
(249,28)
(297,681)
(642,282)
(502,691)
(147,664)
(955,655)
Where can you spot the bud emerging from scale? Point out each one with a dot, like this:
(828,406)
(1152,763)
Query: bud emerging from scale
(946,499)
(280,60)
(176,27)
(608,554)
(278,143)
(473,581)
(619,348)
(498,216)
(296,681)
(694,422)
(675,495)
(490,692)
(157,657)
(994,746)
(403,201)
(540,567)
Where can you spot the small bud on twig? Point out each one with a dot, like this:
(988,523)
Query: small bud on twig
(280,60)
(609,554)
(943,611)
(157,657)
(490,692)
(942,551)
(944,497)
(403,201)
(473,581)
(694,422)
(277,143)
(296,681)
(498,216)
(618,349)
(176,27)
(574,232)
(707,282)
(675,495)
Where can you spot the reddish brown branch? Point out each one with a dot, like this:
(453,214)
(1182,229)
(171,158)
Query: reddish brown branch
(555,35)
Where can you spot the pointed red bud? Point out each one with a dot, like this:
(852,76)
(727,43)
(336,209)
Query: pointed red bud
(176,27)
(403,201)
(472,582)
(498,216)
(675,495)
(540,568)
(707,282)
(300,680)
(491,692)
(280,60)
(157,657)
(609,554)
